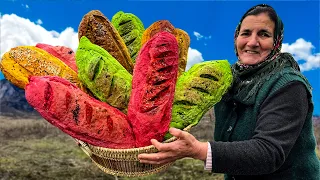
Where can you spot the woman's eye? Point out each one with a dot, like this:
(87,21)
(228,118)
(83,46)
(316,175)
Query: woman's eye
(265,34)
(244,34)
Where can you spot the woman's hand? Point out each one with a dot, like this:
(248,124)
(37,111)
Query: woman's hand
(186,145)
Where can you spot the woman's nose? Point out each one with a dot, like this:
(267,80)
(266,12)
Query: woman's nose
(253,41)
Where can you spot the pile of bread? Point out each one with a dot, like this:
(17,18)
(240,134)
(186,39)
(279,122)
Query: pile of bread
(124,85)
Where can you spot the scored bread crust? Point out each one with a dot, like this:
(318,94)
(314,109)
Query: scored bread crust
(153,87)
(78,114)
(103,75)
(181,36)
(130,28)
(100,31)
(23,61)
(197,90)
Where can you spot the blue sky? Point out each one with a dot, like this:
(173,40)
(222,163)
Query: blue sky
(210,25)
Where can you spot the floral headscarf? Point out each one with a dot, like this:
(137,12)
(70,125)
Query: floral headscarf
(277,39)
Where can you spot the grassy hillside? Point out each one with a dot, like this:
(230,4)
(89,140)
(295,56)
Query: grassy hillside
(34,149)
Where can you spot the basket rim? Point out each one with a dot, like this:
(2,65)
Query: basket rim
(85,144)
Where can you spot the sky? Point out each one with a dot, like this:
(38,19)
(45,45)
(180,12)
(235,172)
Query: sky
(210,25)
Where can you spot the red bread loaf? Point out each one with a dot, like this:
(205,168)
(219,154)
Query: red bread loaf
(63,53)
(74,112)
(153,86)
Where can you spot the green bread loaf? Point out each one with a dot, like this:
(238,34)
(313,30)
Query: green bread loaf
(130,29)
(100,31)
(103,75)
(198,90)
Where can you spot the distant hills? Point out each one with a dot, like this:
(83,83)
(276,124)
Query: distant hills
(316,120)
(13,101)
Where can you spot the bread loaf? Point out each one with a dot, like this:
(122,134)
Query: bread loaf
(63,53)
(181,36)
(197,90)
(130,29)
(103,75)
(77,114)
(184,43)
(153,87)
(100,31)
(23,61)
(158,26)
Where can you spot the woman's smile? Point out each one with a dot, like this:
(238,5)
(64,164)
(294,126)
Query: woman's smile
(251,52)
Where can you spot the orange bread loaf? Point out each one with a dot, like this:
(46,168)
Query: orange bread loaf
(158,26)
(184,43)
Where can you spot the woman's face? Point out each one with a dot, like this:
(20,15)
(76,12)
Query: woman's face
(255,40)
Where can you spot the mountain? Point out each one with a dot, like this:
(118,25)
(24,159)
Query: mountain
(13,101)
(316,120)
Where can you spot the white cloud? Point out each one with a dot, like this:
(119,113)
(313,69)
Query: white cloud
(39,22)
(194,57)
(302,52)
(25,5)
(18,31)
(198,35)
(201,37)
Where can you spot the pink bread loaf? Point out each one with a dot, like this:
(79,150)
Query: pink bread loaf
(63,53)
(153,86)
(74,112)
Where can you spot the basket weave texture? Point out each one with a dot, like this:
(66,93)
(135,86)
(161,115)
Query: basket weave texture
(124,162)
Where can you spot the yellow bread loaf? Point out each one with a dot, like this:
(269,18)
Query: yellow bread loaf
(23,61)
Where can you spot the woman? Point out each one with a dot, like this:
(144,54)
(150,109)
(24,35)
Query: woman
(263,124)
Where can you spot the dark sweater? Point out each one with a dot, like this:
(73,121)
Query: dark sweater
(264,155)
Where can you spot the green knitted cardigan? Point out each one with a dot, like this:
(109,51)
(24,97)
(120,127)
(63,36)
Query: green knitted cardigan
(249,91)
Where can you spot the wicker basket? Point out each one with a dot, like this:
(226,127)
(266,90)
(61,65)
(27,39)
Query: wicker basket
(124,162)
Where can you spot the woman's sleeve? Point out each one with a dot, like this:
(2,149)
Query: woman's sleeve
(279,124)
(208,161)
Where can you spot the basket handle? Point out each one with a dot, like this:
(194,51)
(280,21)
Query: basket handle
(84,147)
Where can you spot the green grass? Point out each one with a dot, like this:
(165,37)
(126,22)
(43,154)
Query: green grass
(185,169)
(34,149)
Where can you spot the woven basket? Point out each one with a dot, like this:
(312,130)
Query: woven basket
(124,162)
